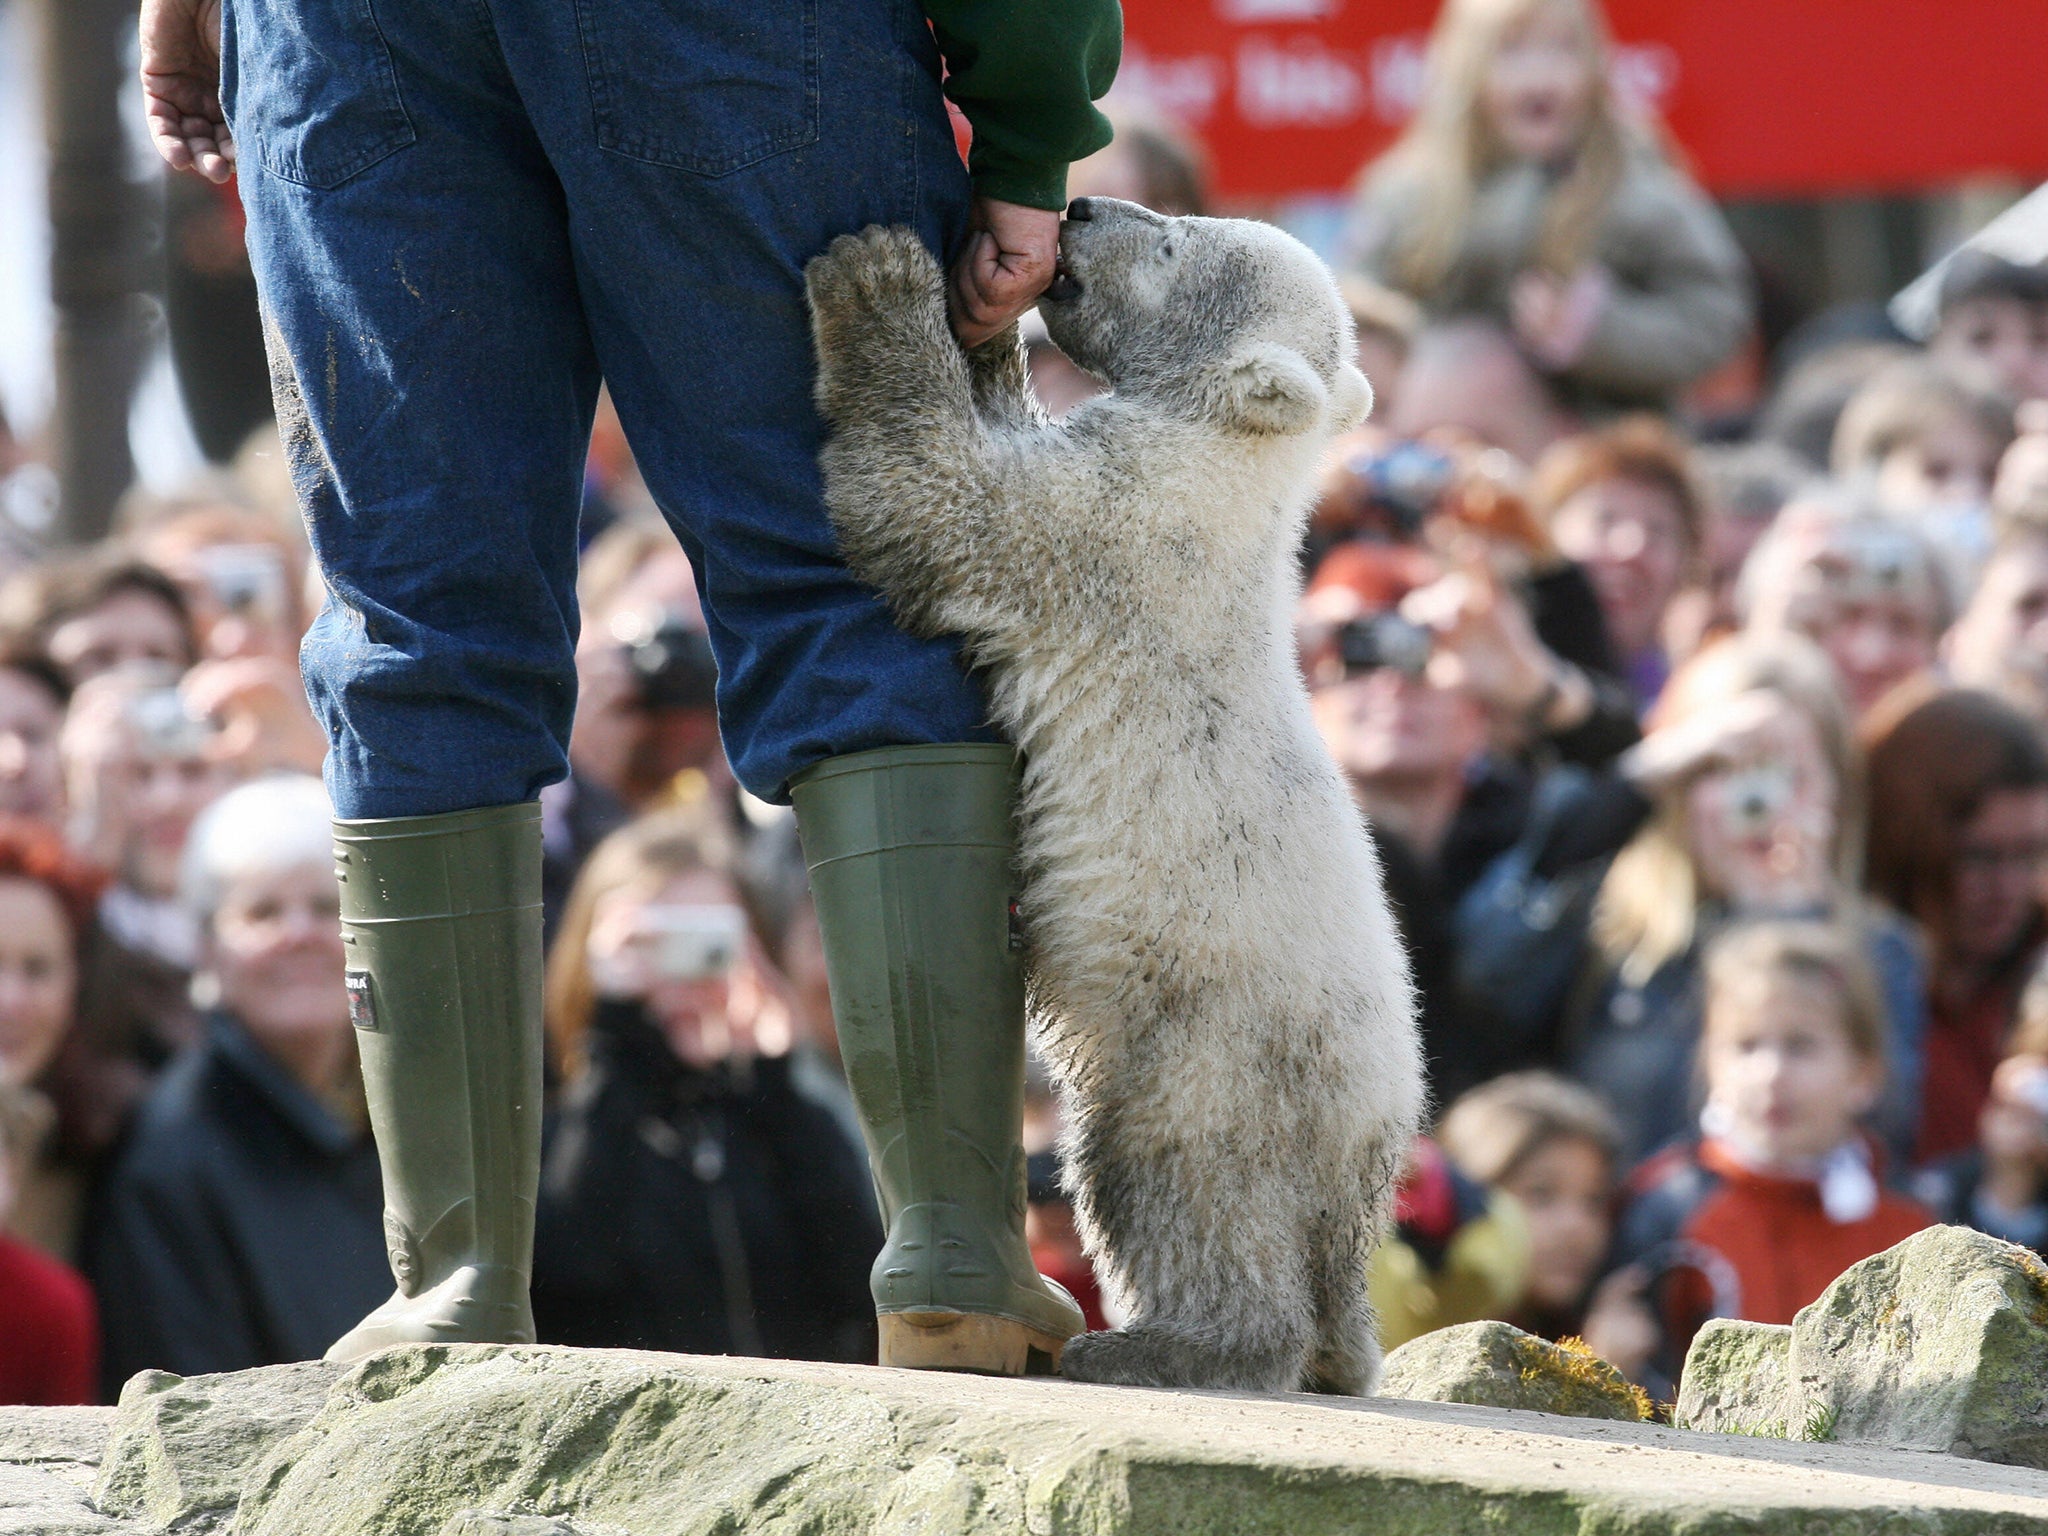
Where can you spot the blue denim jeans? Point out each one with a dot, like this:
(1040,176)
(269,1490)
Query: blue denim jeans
(462,214)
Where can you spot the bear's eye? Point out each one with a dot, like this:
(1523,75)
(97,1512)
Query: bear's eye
(1166,250)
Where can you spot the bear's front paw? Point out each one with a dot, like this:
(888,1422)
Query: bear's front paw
(879,274)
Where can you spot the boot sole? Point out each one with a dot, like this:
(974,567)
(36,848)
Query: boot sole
(967,1341)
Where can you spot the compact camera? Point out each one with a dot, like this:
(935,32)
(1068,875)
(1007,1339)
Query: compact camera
(672,664)
(246,578)
(692,943)
(1755,798)
(1405,481)
(1384,640)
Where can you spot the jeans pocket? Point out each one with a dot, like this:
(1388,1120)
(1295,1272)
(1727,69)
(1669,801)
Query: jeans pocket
(309,88)
(699,86)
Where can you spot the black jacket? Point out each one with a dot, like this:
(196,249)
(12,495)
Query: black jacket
(702,1212)
(242,1223)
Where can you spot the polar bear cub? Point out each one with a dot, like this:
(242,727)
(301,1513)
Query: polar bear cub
(1216,980)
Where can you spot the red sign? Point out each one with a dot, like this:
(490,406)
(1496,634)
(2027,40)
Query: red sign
(1768,97)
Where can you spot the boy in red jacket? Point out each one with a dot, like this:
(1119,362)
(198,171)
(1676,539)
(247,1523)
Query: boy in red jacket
(49,1328)
(1782,1190)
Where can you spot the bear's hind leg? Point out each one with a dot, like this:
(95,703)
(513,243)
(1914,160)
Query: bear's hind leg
(1347,1355)
(1208,1254)
(1347,1358)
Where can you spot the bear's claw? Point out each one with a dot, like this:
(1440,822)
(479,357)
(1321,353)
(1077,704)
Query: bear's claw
(880,271)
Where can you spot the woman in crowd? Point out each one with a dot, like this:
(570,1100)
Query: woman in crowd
(1866,587)
(93,612)
(694,1195)
(243,1223)
(1959,843)
(1623,503)
(1522,194)
(48,935)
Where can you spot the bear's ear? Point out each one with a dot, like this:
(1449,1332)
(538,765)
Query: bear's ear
(1266,387)
(1351,400)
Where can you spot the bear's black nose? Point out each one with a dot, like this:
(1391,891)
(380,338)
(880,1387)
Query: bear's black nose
(1079,211)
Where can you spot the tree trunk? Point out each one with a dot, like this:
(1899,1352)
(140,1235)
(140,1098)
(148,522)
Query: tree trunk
(95,266)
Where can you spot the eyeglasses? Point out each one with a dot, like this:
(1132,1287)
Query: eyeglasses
(2023,857)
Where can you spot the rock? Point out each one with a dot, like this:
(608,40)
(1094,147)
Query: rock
(1738,1381)
(1939,1343)
(478,1441)
(1494,1365)
(37,1502)
(183,1447)
(478,1522)
(30,1435)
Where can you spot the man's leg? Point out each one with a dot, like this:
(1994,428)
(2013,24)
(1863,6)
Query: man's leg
(707,156)
(435,383)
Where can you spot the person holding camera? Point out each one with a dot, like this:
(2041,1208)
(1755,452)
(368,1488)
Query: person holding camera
(1748,784)
(1428,688)
(695,1194)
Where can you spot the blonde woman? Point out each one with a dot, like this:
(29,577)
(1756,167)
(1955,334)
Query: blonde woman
(1521,193)
(1744,800)
(697,1191)
(1756,791)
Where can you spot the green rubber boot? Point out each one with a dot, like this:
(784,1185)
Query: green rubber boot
(911,853)
(441,918)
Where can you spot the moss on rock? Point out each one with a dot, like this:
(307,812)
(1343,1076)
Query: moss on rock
(1495,1365)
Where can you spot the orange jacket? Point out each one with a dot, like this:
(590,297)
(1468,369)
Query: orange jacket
(1723,1240)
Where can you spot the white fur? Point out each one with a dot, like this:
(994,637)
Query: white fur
(1216,978)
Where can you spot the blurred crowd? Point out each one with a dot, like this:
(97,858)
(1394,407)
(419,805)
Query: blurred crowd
(1700,730)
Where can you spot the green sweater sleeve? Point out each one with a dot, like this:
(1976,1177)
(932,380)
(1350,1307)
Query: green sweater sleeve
(1027,74)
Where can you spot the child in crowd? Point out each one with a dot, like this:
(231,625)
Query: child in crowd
(1782,1190)
(49,1334)
(1458,1252)
(1554,1148)
(1926,442)
(1994,323)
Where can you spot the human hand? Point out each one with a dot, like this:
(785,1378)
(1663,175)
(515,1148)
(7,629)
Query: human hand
(1762,825)
(1004,266)
(1620,1327)
(181,86)
(257,705)
(1714,735)
(1485,645)
(1554,316)
(2012,1130)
